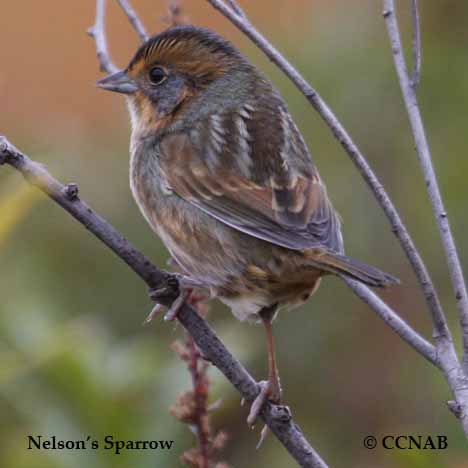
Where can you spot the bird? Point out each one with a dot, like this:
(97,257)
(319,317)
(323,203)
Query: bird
(223,176)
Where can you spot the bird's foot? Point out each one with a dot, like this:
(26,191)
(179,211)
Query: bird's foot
(258,403)
(176,282)
(270,391)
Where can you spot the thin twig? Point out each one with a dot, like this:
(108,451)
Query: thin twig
(174,16)
(441,330)
(134,19)
(236,8)
(200,396)
(192,408)
(416,76)
(425,160)
(208,342)
(97,32)
(394,321)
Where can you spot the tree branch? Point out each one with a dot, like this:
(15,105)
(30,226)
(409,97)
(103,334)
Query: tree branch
(276,417)
(425,160)
(97,32)
(441,330)
(394,321)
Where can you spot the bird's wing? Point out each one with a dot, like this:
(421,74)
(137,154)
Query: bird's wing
(255,175)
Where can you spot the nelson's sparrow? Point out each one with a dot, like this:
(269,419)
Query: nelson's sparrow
(223,176)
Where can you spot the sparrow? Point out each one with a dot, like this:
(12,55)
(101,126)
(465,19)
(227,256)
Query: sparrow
(223,176)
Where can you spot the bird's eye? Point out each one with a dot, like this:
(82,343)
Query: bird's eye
(157,75)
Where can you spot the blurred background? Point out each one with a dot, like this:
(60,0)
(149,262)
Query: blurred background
(75,359)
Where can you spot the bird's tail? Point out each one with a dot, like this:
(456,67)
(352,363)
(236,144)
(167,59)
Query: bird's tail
(342,265)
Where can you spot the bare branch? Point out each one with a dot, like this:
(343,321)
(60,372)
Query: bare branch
(394,321)
(134,19)
(275,416)
(441,330)
(425,160)
(97,31)
(416,76)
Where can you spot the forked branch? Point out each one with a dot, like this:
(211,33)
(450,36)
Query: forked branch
(425,160)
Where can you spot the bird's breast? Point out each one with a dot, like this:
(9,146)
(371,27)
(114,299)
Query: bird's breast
(203,247)
(158,204)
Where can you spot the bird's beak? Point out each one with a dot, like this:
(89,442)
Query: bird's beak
(119,82)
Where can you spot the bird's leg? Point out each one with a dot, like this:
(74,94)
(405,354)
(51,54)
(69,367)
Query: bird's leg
(270,390)
(274,384)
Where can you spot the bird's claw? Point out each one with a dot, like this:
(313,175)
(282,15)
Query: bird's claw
(169,287)
(154,311)
(175,282)
(171,314)
(268,392)
(259,402)
(263,435)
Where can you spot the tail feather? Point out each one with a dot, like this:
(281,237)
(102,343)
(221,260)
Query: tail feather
(342,265)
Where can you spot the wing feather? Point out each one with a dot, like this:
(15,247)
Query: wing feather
(231,169)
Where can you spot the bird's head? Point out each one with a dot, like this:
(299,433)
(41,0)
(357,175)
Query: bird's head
(169,70)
